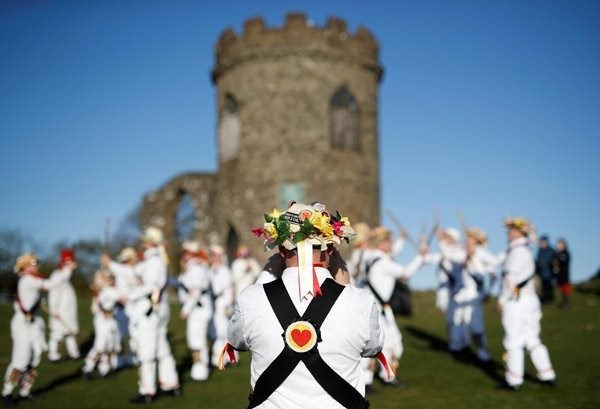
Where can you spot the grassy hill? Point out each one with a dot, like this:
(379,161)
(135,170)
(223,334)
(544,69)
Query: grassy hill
(434,378)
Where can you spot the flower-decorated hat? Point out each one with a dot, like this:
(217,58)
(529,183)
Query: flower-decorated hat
(301,222)
(478,235)
(302,227)
(519,223)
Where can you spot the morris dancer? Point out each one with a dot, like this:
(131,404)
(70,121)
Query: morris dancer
(27,327)
(154,348)
(107,340)
(327,326)
(195,297)
(62,303)
(521,309)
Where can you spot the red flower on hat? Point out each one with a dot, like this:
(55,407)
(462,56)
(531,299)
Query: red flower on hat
(258,232)
(337,227)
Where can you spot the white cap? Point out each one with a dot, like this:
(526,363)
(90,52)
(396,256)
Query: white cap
(453,233)
(152,235)
(191,245)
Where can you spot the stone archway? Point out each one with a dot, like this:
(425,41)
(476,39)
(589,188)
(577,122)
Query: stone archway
(159,208)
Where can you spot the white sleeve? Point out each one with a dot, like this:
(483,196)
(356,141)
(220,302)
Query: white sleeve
(58,277)
(414,266)
(432,258)
(455,254)
(398,246)
(489,260)
(376,336)
(235,329)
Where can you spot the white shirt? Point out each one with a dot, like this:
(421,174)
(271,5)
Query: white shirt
(29,287)
(350,331)
(125,277)
(385,271)
(153,272)
(518,267)
(222,285)
(244,272)
(196,279)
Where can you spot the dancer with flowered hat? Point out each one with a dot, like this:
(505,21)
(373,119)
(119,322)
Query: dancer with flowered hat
(327,327)
(27,327)
(521,309)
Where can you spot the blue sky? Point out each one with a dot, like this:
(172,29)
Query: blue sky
(487,108)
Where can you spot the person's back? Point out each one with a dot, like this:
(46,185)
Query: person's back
(327,327)
(346,335)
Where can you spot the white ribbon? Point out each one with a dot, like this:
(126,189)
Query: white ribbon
(305,268)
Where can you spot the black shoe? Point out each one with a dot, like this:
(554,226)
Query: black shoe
(369,390)
(142,399)
(30,397)
(507,387)
(395,383)
(176,393)
(550,383)
(8,401)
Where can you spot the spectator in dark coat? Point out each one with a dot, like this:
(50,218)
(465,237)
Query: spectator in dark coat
(543,268)
(562,263)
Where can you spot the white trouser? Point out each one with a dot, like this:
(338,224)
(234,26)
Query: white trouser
(392,344)
(196,334)
(153,347)
(220,322)
(29,342)
(521,322)
(107,343)
(458,315)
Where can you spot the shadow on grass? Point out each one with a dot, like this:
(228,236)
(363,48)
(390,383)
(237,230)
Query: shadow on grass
(492,369)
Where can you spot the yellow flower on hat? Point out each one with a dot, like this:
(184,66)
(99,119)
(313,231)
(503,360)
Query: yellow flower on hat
(275,214)
(271,230)
(321,222)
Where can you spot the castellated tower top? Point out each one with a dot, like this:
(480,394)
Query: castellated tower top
(296,37)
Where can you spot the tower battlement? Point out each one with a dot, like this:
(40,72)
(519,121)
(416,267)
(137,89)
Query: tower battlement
(296,37)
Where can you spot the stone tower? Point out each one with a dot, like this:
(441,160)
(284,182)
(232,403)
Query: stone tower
(297,119)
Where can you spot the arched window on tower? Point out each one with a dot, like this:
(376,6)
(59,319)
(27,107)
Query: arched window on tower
(345,129)
(229,129)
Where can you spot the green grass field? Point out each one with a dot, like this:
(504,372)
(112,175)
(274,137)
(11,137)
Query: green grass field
(434,378)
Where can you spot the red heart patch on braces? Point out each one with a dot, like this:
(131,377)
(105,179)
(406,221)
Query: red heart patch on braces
(301,338)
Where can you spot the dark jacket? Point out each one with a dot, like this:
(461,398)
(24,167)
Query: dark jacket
(543,263)
(562,269)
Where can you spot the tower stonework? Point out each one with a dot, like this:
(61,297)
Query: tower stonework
(297,110)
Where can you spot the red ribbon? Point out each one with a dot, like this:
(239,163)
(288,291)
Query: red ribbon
(228,348)
(316,288)
(388,369)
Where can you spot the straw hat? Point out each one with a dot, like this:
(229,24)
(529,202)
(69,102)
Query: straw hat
(362,230)
(127,254)
(379,234)
(519,223)
(152,235)
(478,235)
(25,260)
